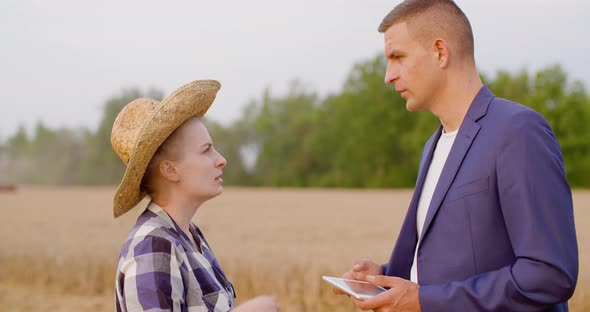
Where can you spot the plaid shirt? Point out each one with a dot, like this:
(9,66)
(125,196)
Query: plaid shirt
(161,270)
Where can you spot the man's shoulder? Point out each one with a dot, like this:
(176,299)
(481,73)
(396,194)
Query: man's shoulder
(511,121)
(509,111)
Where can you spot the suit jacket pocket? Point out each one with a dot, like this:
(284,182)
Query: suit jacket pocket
(469,188)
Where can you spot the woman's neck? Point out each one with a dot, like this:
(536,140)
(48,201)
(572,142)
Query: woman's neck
(180,209)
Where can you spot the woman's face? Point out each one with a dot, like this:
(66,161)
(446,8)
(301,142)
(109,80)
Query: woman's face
(199,166)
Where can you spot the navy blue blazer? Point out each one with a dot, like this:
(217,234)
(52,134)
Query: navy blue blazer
(499,234)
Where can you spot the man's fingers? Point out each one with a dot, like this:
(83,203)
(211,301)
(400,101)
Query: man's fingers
(359,276)
(348,275)
(376,302)
(359,266)
(384,281)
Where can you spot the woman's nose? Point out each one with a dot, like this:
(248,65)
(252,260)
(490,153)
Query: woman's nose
(221,162)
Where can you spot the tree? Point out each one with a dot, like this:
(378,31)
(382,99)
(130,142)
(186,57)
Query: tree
(368,139)
(361,136)
(102,165)
(283,127)
(565,107)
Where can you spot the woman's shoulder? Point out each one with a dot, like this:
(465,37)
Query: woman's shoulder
(148,237)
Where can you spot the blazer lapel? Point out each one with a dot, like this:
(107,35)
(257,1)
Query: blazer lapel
(423,170)
(425,163)
(467,133)
(403,254)
(463,141)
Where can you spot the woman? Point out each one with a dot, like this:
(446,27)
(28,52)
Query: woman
(166,263)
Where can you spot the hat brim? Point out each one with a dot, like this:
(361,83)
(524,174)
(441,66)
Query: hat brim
(190,100)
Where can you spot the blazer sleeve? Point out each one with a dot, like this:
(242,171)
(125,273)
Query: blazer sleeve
(536,203)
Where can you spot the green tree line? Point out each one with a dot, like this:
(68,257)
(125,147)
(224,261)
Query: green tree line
(361,136)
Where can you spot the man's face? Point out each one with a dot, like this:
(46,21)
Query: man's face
(411,68)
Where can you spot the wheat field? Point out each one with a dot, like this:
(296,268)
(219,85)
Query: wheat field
(59,246)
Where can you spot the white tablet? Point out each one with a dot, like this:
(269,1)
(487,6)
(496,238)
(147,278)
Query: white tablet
(358,289)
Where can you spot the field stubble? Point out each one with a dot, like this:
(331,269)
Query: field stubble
(59,246)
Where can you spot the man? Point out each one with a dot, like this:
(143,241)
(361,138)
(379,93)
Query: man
(490,226)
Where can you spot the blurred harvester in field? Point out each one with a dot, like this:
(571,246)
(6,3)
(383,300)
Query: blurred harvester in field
(8,188)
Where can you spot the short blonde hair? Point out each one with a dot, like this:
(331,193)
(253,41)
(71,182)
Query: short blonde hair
(429,19)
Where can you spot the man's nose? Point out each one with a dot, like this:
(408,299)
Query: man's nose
(391,73)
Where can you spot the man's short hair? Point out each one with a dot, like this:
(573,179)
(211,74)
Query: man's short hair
(430,19)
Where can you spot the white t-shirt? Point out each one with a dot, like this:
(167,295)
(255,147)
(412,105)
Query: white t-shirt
(441,152)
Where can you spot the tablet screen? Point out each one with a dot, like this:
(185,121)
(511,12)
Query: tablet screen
(358,289)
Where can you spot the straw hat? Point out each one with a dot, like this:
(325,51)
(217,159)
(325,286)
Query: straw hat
(142,126)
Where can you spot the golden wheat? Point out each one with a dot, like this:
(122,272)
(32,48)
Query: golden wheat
(59,246)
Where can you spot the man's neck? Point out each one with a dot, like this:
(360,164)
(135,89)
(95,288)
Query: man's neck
(452,105)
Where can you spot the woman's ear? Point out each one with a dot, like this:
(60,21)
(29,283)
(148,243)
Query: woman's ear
(168,171)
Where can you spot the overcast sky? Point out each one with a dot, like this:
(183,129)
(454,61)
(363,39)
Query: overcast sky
(60,60)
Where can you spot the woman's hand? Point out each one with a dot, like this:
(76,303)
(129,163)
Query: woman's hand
(259,304)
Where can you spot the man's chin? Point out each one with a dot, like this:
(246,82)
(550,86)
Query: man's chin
(411,107)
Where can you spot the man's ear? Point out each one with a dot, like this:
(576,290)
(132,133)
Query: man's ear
(441,52)
(168,171)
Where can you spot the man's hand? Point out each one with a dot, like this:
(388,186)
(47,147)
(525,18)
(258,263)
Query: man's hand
(403,295)
(359,271)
